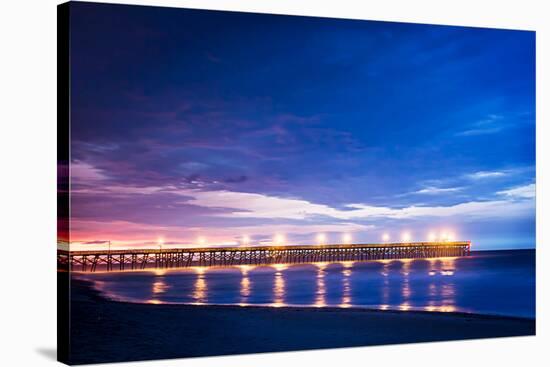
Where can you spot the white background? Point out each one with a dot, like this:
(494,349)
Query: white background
(28,183)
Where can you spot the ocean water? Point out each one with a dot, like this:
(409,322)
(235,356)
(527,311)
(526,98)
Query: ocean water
(496,283)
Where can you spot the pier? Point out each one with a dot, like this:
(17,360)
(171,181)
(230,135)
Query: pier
(139,259)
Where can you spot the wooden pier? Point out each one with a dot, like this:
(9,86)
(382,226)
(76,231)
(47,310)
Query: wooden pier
(136,259)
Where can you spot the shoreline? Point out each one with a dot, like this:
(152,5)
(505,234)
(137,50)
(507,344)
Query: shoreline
(104,330)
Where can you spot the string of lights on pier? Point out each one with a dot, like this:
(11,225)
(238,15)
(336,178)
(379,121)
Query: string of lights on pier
(280,239)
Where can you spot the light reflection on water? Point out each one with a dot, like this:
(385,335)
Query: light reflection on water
(444,284)
(346,285)
(200,288)
(159,286)
(320,293)
(405,286)
(279,286)
(245,284)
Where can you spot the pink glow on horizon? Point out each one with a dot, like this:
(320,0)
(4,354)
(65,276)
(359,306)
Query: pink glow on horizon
(95,235)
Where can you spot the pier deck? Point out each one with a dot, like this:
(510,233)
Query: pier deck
(135,259)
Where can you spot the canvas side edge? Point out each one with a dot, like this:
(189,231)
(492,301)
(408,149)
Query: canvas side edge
(63,158)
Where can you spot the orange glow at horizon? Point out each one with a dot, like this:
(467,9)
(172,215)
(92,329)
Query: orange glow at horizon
(279,239)
(447,236)
(82,241)
(346,238)
(321,238)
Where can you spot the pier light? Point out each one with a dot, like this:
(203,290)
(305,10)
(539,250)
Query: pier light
(279,239)
(432,237)
(160,242)
(406,237)
(346,238)
(385,237)
(445,236)
(321,238)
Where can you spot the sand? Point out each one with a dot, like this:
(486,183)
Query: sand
(107,331)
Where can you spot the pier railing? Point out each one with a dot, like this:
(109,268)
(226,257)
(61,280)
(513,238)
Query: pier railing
(135,259)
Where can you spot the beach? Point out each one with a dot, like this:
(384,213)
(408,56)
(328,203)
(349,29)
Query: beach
(103,330)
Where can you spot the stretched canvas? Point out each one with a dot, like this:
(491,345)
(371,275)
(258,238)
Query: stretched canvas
(237,183)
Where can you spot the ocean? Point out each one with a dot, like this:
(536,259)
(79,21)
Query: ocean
(492,283)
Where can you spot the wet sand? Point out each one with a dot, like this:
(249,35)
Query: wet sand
(107,331)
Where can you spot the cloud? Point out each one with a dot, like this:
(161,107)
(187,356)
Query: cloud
(431,190)
(121,190)
(193,166)
(253,205)
(85,172)
(481,131)
(238,179)
(249,205)
(233,204)
(96,242)
(223,215)
(486,174)
(472,209)
(489,125)
(302,218)
(238,205)
(526,191)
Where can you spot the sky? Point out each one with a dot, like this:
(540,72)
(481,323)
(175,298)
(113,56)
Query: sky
(198,127)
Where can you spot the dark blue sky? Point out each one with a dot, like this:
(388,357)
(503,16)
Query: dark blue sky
(190,123)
